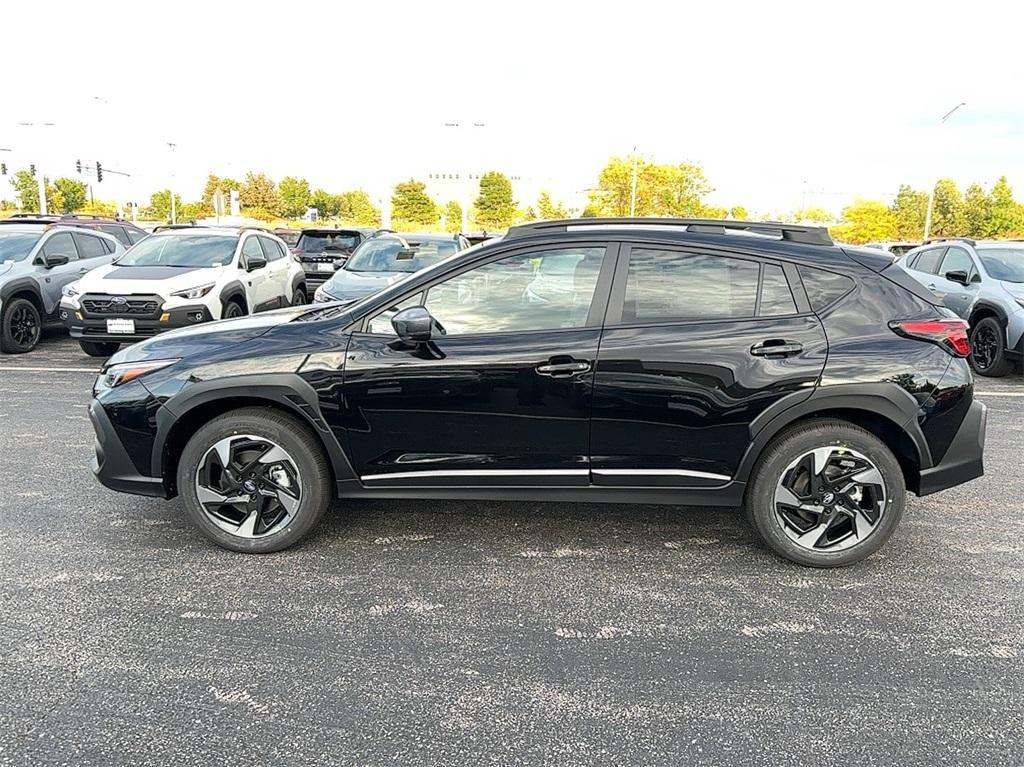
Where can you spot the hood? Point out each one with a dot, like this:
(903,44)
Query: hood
(1015,289)
(162,280)
(6,266)
(185,341)
(346,285)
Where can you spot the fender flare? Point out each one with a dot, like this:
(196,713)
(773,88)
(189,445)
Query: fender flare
(888,400)
(996,309)
(286,390)
(233,289)
(25,285)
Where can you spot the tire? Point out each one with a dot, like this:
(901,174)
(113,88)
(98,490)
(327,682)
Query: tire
(20,326)
(989,339)
(99,348)
(305,470)
(299,297)
(232,309)
(847,535)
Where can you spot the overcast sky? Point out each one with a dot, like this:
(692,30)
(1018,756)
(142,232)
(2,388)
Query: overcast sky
(780,102)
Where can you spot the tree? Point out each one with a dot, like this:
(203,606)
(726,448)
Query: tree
(1006,215)
(549,209)
(295,196)
(814,215)
(495,208)
(357,208)
(26,187)
(977,211)
(453,216)
(325,203)
(738,212)
(258,192)
(73,194)
(865,221)
(909,208)
(410,203)
(947,210)
(661,190)
(160,205)
(213,184)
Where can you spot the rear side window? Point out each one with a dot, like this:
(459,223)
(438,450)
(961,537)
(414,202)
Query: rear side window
(673,285)
(776,297)
(90,246)
(117,231)
(135,236)
(271,249)
(823,288)
(928,261)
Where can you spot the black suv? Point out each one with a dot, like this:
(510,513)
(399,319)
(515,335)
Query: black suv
(124,231)
(630,361)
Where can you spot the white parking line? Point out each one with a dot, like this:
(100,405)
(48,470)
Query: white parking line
(983,394)
(27,369)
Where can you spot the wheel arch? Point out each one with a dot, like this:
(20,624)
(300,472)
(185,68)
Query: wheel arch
(24,287)
(983,309)
(235,291)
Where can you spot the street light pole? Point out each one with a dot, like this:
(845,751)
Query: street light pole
(174,212)
(632,193)
(40,175)
(931,192)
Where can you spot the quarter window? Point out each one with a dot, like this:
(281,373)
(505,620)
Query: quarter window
(823,287)
(531,291)
(674,285)
(61,244)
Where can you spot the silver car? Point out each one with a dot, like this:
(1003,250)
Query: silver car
(983,282)
(37,260)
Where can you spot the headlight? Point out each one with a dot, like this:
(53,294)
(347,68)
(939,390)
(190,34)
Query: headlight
(321,296)
(192,293)
(69,291)
(115,375)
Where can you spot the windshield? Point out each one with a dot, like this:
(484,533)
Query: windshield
(192,251)
(320,242)
(385,254)
(1005,264)
(15,246)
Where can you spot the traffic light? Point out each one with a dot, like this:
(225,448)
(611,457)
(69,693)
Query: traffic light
(3,169)
(32,170)
(99,171)
(78,167)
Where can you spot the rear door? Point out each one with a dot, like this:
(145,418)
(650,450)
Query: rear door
(262,292)
(697,344)
(278,268)
(924,266)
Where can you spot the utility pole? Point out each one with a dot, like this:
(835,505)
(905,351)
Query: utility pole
(174,212)
(931,192)
(632,184)
(40,177)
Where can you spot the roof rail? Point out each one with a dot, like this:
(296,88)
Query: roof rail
(191,225)
(968,240)
(89,217)
(32,217)
(807,235)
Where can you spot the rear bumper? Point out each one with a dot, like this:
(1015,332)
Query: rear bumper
(963,460)
(111,464)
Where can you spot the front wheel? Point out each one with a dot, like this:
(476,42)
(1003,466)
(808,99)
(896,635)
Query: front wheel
(299,297)
(99,348)
(231,310)
(988,349)
(254,480)
(826,493)
(20,326)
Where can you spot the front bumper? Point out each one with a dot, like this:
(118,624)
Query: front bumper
(962,462)
(111,464)
(91,328)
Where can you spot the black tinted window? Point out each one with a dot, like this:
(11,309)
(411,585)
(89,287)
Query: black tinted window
(776,297)
(61,244)
(118,232)
(928,260)
(323,242)
(670,284)
(823,287)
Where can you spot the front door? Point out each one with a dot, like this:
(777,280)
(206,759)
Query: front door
(55,278)
(503,397)
(696,347)
(955,296)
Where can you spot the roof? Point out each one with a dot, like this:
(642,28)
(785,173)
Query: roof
(795,233)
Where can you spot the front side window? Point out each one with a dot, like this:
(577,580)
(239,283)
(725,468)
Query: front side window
(542,290)
(60,244)
(957,260)
(191,251)
(251,249)
(677,285)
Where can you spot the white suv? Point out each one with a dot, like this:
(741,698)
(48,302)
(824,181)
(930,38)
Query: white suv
(177,277)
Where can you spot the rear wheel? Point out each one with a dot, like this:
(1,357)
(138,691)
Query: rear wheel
(231,310)
(254,480)
(826,494)
(99,348)
(20,326)
(988,349)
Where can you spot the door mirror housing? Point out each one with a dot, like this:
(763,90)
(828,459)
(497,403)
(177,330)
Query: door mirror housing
(415,325)
(55,259)
(255,262)
(958,276)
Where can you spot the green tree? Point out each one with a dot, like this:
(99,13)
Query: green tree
(325,203)
(258,192)
(909,208)
(357,208)
(495,208)
(160,205)
(26,190)
(73,194)
(1006,215)
(295,196)
(738,212)
(214,183)
(410,203)
(977,211)
(865,221)
(947,210)
(661,190)
(452,215)
(815,215)
(549,209)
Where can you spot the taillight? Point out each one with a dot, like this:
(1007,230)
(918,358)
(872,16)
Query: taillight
(951,335)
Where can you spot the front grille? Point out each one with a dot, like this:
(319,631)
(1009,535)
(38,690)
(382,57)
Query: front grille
(121,306)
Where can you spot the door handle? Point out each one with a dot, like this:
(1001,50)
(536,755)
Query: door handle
(563,369)
(776,347)
(931,286)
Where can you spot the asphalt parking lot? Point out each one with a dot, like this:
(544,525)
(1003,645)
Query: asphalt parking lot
(492,633)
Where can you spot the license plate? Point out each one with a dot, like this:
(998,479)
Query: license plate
(120,326)
(325,267)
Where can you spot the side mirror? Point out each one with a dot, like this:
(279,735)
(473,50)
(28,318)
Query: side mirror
(254,263)
(415,325)
(958,276)
(57,259)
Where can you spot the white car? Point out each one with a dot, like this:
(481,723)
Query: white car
(177,277)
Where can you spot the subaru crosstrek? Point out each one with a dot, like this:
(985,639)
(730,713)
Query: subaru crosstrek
(180,276)
(656,361)
(983,282)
